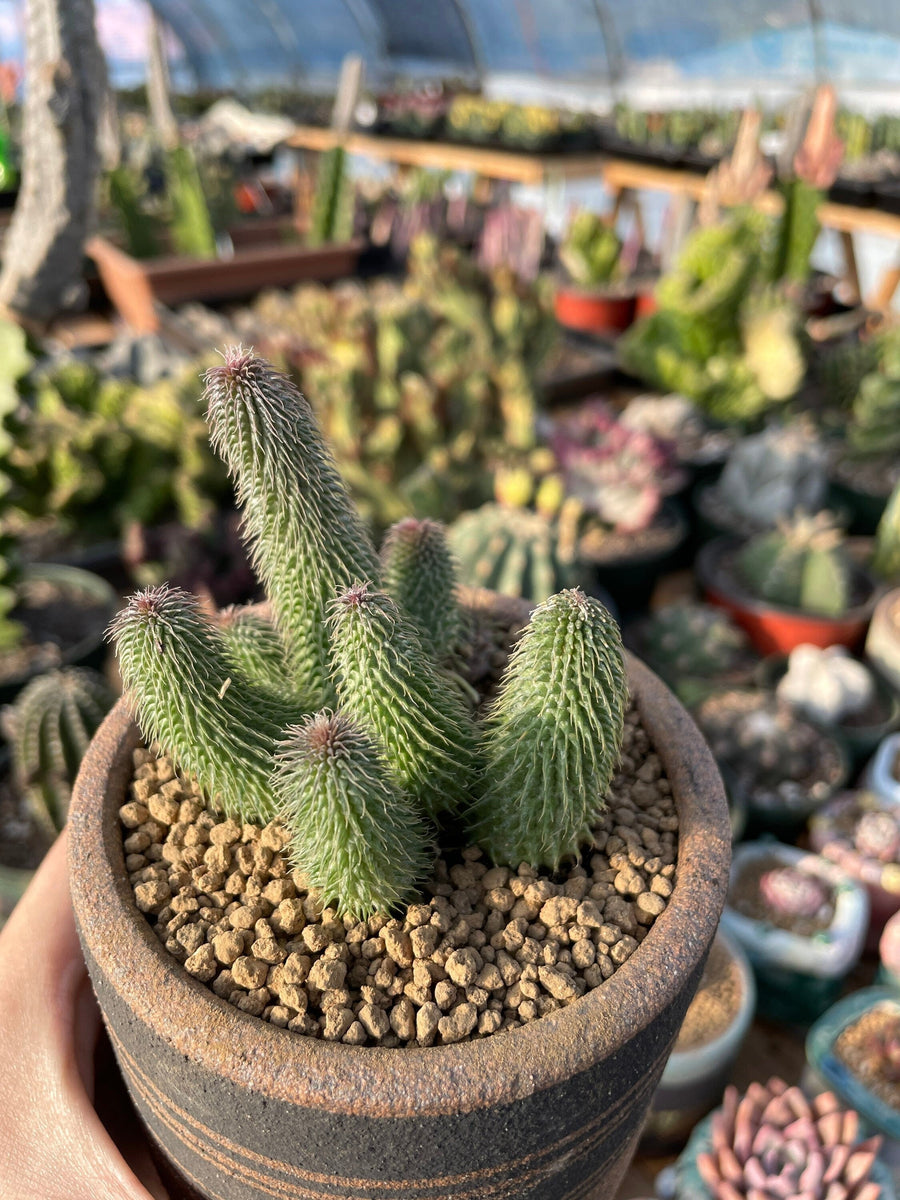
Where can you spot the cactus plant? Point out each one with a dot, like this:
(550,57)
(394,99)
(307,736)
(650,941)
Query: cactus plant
(590,251)
(683,639)
(826,685)
(48,728)
(802,565)
(192,227)
(255,648)
(333,206)
(886,561)
(552,737)
(419,573)
(512,551)
(773,1141)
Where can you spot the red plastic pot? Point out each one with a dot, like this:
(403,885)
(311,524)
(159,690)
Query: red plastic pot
(776,630)
(645,304)
(594,310)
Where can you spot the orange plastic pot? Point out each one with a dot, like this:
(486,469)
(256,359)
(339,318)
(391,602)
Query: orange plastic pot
(597,311)
(645,304)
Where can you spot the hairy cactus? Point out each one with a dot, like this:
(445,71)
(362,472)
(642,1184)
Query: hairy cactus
(333,206)
(790,892)
(306,537)
(48,728)
(693,639)
(802,565)
(773,1142)
(512,551)
(886,561)
(553,735)
(255,648)
(189,696)
(359,841)
(590,251)
(419,573)
(388,685)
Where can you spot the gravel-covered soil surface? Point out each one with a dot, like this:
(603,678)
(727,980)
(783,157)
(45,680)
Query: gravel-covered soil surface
(716,1003)
(865,1047)
(485,949)
(744,897)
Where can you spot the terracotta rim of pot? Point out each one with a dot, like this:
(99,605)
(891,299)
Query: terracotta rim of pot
(406,1081)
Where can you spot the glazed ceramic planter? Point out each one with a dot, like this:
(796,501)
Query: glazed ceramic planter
(799,977)
(777,630)
(239,1109)
(880,776)
(603,312)
(827,1070)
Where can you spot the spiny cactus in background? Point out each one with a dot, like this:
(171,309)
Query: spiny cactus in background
(126,194)
(802,564)
(685,639)
(188,695)
(590,251)
(333,205)
(874,427)
(192,228)
(48,728)
(773,1142)
(552,737)
(792,892)
(387,684)
(886,561)
(359,841)
(306,538)
(512,551)
(254,646)
(420,575)
(843,368)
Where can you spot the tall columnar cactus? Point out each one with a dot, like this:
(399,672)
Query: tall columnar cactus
(420,575)
(306,538)
(48,728)
(358,839)
(388,685)
(802,564)
(886,562)
(332,215)
(552,738)
(189,696)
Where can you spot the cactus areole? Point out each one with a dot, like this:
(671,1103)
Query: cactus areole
(362,745)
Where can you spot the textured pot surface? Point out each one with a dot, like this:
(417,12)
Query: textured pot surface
(243,1110)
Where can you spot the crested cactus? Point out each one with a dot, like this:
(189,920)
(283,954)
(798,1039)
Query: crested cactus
(307,539)
(512,551)
(359,841)
(802,564)
(773,1142)
(553,735)
(388,685)
(420,575)
(48,728)
(189,696)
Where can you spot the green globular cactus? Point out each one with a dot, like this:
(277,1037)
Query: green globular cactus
(419,573)
(356,837)
(333,204)
(48,728)
(553,735)
(802,564)
(389,686)
(512,551)
(693,639)
(189,696)
(254,646)
(307,539)
(886,561)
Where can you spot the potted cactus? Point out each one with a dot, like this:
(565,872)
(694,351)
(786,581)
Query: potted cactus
(801,921)
(283,850)
(860,832)
(795,584)
(781,767)
(772,1139)
(854,1049)
(595,298)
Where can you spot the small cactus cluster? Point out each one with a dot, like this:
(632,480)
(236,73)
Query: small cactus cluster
(800,565)
(342,718)
(773,1142)
(590,251)
(693,639)
(48,729)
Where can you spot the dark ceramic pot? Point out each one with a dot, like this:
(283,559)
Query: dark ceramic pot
(239,1109)
(631,578)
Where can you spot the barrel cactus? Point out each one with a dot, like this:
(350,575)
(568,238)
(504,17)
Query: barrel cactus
(802,564)
(511,550)
(48,728)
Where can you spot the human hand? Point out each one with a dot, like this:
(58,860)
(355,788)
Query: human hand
(53,1146)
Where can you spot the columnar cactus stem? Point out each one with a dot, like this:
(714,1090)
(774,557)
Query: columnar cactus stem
(306,537)
(552,738)
(356,837)
(190,697)
(255,648)
(420,575)
(388,684)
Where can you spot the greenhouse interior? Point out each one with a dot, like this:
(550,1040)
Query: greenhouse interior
(449,600)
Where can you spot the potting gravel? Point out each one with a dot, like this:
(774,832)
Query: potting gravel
(486,949)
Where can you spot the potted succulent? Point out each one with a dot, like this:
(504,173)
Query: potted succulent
(797,583)
(773,1140)
(883,638)
(854,1050)
(838,692)
(708,1043)
(595,298)
(801,921)
(701,447)
(320,824)
(780,766)
(883,774)
(861,834)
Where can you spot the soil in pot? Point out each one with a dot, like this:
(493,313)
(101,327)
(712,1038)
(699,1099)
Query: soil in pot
(861,487)
(745,896)
(784,767)
(870,1048)
(627,565)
